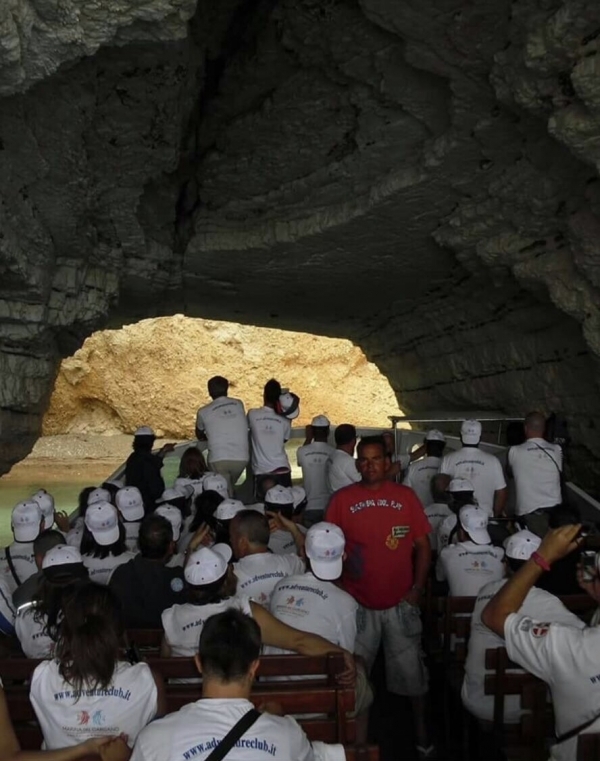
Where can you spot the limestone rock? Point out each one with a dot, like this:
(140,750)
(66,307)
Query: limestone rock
(418,177)
(155,373)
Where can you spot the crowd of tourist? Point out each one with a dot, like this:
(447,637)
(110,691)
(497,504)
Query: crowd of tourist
(339,564)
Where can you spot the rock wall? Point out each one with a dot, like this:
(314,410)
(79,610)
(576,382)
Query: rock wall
(155,373)
(420,177)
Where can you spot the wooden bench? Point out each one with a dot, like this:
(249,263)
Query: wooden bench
(319,694)
(145,639)
(526,739)
(362,752)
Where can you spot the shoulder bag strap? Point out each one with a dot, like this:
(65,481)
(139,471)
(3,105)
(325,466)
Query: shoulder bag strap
(11,565)
(547,453)
(234,734)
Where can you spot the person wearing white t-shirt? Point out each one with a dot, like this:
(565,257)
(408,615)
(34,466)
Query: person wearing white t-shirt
(211,586)
(565,657)
(87,690)
(460,493)
(17,561)
(436,514)
(223,424)
(103,542)
(227,656)
(270,428)
(130,505)
(7,611)
(341,468)
(258,570)
(536,465)
(482,469)
(472,562)
(313,457)
(287,536)
(538,605)
(37,622)
(420,474)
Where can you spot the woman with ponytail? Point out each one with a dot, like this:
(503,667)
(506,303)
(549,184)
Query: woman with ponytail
(87,690)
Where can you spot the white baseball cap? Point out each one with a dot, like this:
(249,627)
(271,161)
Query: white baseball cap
(216,482)
(460,484)
(207,564)
(62,554)
(102,520)
(290,405)
(172,494)
(130,503)
(324,547)
(434,435)
(25,520)
(173,515)
(522,545)
(470,431)
(299,495)
(279,495)
(474,520)
(46,503)
(145,430)
(196,484)
(320,421)
(228,509)
(98,495)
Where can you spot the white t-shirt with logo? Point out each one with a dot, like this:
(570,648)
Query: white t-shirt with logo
(35,643)
(468,566)
(269,432)
(566,658)
(226,428)
(67,717)
(23,559)
(7,609)
(482,469)
(341,471)
(282,542)
(313,459)
(316,606)
(258,574)
(183,623)
(446,528)
(132,532)
(419,476)
(539,605)
(535,465)
(436,513)
(100,569)
(197,728)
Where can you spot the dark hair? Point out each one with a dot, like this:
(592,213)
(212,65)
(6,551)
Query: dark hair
(50,599)
(514,564)
(192,463)
(217,386)
(112,489)
(89,638)
(155,537)
(210,594)
(459,499)
(143,443)
(435,448)
(47,540)
(229,644)
(253,526)
(206,505)
(286,510)
(89,546)
(82,500)
(272,391)
(344,434)
(372,441)
(321,432)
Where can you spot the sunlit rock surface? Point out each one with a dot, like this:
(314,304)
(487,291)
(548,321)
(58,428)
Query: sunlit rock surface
(420,177)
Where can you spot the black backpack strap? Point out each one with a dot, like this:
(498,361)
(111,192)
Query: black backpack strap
(234,734)
(11,565)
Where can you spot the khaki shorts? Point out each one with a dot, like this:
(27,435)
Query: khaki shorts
(400,629)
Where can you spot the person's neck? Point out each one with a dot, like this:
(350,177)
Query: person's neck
(256,549)
(373,486)
(347,448)
(533,436)
(214,689)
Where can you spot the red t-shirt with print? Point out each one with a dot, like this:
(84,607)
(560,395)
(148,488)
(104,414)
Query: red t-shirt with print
(380,527)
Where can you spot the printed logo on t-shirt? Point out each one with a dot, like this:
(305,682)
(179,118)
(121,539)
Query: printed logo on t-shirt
(540,630)
(363,504)
(176,584)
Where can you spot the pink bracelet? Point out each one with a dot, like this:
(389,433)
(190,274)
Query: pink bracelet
(539,560)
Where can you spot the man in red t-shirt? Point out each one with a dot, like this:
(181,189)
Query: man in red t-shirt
(388,559)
